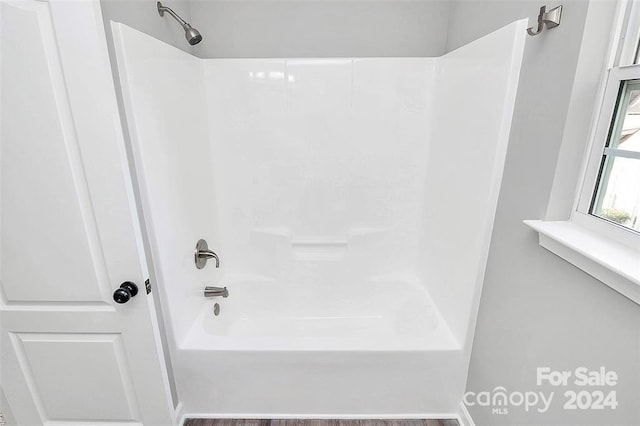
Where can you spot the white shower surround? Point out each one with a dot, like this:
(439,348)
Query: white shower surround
(351,202)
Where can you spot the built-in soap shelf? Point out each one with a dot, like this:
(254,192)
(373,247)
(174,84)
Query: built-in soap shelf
(321,248)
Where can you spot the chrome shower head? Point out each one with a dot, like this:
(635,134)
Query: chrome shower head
(191,34)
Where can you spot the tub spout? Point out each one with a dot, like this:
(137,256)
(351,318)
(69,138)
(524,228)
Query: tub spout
(216,291)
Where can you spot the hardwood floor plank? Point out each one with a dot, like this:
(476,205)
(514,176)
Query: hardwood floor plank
(304,422)
(319,422)
(227,422)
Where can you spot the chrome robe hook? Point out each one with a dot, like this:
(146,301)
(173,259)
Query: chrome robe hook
(551,19)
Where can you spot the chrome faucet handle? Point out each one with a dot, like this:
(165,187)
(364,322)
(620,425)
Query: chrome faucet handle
(216,291)
(202,254)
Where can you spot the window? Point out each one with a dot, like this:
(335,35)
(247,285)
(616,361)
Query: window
(611,189)
(617,190)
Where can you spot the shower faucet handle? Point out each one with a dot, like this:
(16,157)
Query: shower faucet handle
(202,254)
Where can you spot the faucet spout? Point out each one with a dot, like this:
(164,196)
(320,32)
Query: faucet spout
(202,254)
(216,291)
(208,254)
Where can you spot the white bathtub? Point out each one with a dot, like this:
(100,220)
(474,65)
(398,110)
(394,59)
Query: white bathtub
(377,350)
(375,315)
(351,203)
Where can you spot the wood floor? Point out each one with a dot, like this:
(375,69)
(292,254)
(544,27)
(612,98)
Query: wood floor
(292,422)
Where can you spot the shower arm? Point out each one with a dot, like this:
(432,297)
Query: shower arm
(162,9)
(192,35)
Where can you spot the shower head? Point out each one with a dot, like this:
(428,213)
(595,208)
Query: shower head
(191,34)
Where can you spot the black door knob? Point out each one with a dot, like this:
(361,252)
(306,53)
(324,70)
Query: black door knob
(125,292)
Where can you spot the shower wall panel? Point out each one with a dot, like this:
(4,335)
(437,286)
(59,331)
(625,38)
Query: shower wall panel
(165,88)
(475,95)
(320,165)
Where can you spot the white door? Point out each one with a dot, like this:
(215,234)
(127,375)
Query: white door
(68,232)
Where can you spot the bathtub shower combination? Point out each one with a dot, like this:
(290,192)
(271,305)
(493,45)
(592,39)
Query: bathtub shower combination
(350,203)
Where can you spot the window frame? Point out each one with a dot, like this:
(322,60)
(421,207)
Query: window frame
(620,66)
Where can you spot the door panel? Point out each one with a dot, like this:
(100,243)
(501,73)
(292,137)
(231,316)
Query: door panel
(69,234)
(51,359)
(46,219)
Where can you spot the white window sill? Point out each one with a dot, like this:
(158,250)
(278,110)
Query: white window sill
(616,265)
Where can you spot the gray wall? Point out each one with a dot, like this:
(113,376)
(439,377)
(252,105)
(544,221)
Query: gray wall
(308,28)
(320,28)
(536,309)
(143,16)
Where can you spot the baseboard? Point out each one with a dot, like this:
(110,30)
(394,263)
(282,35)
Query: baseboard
(464,418)
(178,414)
(458,416)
